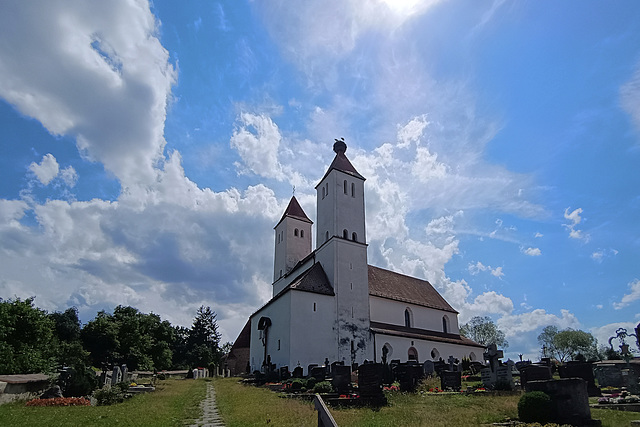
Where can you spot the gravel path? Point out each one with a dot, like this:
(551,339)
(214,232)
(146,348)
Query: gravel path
(210,416)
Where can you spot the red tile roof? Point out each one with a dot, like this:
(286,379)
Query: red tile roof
(294,210)
(395,286)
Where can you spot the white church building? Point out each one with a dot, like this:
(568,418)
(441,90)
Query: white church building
(330,304)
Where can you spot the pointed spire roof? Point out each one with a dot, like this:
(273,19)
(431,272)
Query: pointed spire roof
(340,162)
(294,210)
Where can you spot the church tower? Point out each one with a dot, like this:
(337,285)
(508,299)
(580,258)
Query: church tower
(292,239)
(342,251)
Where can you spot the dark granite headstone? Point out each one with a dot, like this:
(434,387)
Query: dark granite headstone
(318,372)
(582,370)
(370,381)
(284,373)
(298,372)
(451,380)
(534,373)
(408,375)
(569,400)
(341,378)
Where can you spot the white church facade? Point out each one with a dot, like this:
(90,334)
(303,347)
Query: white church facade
(330,304)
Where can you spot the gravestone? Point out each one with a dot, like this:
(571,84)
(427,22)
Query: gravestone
(116,376)
(490,374)
(370,383)
(297,372)
(630,380)
(428,368)
(124,371)
(408,375)
(453,363)
(284,373)
(318,372)
(439,366)
(310,367)
(609,375)
(534,373)
(582,370)
(569,400)
(504,377)
(341,378)
(451,380)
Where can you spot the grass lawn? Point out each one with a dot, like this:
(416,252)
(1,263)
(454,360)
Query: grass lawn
(241,405)
(173,402)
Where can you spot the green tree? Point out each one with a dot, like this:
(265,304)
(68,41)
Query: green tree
(568,344)
(204,339)
(546,339)
(26,334)
(484,331)
(100,337)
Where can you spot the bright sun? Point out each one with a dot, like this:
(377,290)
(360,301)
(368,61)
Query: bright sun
(404,7)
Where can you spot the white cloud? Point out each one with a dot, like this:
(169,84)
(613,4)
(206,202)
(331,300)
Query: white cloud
(69,176)
(605,332)
(538,235)
(601,254)
(478,267)
(575,218)
(46,170)
(93,71)
(632,296)
(257,140)
(531,251)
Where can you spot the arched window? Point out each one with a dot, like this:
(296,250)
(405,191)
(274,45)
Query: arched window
(354,237)
(301,233)
(412,354)
(472,356)
(345,186)
(445,324)
(326,236)
(435,354)
(345,234)
(353,190)
(407,318)
(295,232)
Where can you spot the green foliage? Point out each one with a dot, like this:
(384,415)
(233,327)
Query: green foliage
(26,335)
(298,384)
(323,387)
(568,344)
(204,339)
(112,395)
(484,331)
(80,381)
(310,383)
(534,406)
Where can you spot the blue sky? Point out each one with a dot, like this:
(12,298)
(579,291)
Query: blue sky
(147,151)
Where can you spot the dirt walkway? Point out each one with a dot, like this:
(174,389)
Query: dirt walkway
(210,416)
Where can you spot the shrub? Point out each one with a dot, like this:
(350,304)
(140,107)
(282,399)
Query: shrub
(534,406)
(310,383)
(109,396)
(323,387)
(297,384)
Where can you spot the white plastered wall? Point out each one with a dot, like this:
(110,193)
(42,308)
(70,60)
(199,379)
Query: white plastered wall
(390,311)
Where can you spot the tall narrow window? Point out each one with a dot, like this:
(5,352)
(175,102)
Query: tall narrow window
(353,190)
(354,237)
(295,232)
(345,186)
(445,324)
(278,345)
(407,318)
(345,234)
(301,233)
(323,192)
(326,236)
(314,306)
